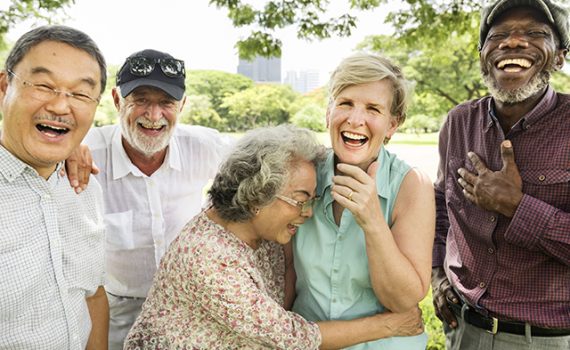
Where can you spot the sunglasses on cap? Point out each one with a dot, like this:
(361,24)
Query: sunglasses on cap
(142,66)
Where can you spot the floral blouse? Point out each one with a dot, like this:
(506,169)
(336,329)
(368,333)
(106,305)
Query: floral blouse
(212,291)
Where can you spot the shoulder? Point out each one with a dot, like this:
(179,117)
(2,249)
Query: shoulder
(470,108)
(100,137)
(200,138)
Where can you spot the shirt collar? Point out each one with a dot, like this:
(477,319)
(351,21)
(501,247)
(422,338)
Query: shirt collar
(326,173)
(122,165)
(11,168)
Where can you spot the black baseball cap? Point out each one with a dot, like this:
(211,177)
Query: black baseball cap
(152,68)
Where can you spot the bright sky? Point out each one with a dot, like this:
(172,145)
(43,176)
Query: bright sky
(200,34)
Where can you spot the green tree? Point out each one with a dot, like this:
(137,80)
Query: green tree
(312,21)
(20,10)
(198,111)
(311,116)
(215,84)
(260,105)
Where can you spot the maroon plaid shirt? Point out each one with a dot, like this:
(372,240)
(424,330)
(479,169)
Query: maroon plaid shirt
(519,268)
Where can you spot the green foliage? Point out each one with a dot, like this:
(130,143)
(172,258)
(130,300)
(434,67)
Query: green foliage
(199,111)
(561,82)
(261,105)
(311,116)
(309,17)
(20,10)
(216,85)
(433,327)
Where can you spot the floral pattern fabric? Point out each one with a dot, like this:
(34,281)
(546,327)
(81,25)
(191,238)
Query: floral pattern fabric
(212,291)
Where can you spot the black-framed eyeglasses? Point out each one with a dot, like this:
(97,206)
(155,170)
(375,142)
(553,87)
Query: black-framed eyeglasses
(142,66)
(43,92)
(303,205)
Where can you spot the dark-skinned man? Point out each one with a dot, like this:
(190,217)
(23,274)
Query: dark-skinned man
(501,263)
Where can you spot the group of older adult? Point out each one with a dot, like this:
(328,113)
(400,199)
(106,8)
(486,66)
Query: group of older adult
(297,246)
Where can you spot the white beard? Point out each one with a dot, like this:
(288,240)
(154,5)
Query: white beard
(534,86)
(147,145)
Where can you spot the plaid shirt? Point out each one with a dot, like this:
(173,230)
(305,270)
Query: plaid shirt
(518,268)
(51,258)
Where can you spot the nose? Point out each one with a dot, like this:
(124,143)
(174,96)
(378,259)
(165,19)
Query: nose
(154,112)
(513,41)
(58,104)
(356,117)
(307,213)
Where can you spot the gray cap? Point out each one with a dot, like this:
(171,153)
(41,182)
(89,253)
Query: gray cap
(554,13)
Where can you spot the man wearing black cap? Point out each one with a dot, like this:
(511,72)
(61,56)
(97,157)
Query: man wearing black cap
(152,173)
(501,262)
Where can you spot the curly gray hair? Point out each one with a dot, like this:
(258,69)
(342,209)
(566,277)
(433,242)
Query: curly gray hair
(258,167)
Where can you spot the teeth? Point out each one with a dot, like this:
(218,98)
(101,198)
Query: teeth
(517,61)
(53,127)
(353,136)
(151,126)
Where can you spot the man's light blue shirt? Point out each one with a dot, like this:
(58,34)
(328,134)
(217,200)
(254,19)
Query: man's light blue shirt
(333,281)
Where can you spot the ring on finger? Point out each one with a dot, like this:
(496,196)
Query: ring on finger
(350,195)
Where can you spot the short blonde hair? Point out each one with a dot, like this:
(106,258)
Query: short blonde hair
(362,68)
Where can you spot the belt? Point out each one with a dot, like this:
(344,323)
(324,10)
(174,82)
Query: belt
(493,325)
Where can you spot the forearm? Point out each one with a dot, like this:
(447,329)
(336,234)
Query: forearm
(395,280)
(99,312)
(538,226)
(341,334)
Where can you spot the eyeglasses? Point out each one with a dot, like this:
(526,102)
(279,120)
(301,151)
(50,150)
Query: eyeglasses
(44,93)
(142,66)
(303,205)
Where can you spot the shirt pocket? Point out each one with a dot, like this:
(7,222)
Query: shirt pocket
(119,227)
(551,185)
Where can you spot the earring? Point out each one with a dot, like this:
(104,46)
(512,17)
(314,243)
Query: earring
(256,211)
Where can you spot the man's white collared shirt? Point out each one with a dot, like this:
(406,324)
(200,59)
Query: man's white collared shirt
(143,214)
(51,258)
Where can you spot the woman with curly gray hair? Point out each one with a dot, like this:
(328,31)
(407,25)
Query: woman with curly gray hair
(221,284)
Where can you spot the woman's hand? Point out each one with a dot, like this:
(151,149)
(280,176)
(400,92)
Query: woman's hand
(356,191)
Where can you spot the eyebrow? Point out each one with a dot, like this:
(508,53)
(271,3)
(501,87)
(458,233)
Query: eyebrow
(44,70)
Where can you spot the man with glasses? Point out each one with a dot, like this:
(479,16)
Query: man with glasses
(51,239)
(153,173)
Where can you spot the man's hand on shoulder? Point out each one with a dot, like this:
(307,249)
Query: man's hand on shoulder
(79,166)
(498,191)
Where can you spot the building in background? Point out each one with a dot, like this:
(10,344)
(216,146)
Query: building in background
(303,81)
(261,69)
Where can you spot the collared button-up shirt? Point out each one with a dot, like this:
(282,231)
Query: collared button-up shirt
(513,268)
(51,258)
(143,214)
(333,280)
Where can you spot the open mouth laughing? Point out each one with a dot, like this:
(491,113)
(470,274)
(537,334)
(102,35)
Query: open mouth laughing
(151,126)
(51,130)
(353,139)
(514,65)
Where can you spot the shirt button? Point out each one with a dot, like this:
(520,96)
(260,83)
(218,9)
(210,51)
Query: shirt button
(335,269)
(492,219)
(541,178)
(340,238)
(482,285)
(334,300)
(491,250)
